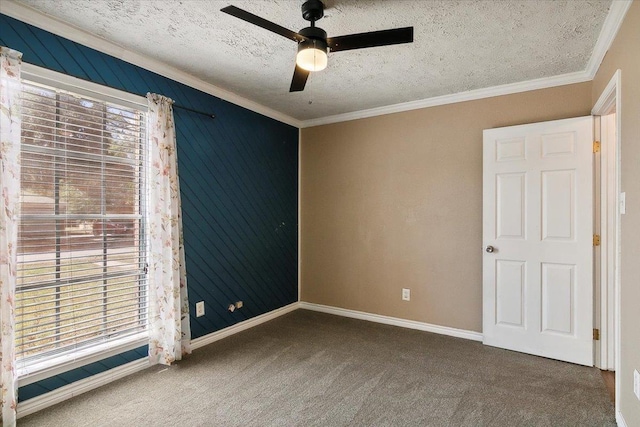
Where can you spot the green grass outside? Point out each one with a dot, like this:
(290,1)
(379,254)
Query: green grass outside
(50,318)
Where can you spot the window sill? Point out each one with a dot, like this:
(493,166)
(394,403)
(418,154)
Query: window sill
(39,371)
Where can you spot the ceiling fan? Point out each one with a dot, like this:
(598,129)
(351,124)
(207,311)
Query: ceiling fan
(313,43)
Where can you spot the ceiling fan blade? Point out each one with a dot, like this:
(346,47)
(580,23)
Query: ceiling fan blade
(300,76)
(261,22)
(371,39)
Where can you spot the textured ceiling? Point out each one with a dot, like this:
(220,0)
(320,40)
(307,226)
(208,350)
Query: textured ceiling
(459,45)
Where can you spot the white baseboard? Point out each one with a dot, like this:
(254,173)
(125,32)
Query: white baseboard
(78,387)
(239,327)
(66,392)
(82,386)
(620,419)
(395,321)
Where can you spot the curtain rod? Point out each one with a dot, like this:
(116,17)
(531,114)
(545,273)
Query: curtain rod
(213,116)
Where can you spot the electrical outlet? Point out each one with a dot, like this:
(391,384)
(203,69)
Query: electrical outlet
(636,383)
(200,309)
(239,304)
(406,294)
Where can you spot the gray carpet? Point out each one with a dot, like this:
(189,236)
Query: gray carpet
(314,369)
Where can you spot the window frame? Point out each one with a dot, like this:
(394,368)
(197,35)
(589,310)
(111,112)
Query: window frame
(67,361)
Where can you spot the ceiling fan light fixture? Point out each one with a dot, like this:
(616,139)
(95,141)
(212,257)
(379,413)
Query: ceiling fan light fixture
(313,44)
(312,55)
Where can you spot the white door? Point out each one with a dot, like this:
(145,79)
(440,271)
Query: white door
(538,240)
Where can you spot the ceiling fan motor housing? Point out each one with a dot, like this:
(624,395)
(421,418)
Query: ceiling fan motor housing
(316,37)
(312,10)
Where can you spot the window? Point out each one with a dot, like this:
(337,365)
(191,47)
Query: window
(82,281)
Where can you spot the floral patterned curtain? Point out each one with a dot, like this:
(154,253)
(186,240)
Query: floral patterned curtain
(169,327)
(10,124)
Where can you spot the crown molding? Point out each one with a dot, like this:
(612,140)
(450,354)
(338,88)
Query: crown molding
(608,33)
(507,89)
(62,29)
(609,30)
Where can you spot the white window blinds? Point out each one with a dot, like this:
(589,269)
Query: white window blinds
(81,242)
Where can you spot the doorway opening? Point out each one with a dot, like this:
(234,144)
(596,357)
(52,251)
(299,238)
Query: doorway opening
(609,207)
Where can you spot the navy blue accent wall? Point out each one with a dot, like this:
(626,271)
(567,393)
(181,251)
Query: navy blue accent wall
(238,182)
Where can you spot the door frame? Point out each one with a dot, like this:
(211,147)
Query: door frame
(609,309)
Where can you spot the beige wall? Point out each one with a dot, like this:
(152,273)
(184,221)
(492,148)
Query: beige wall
(625,55)
(396,201)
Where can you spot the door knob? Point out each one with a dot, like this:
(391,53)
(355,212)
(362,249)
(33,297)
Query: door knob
(490,249)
